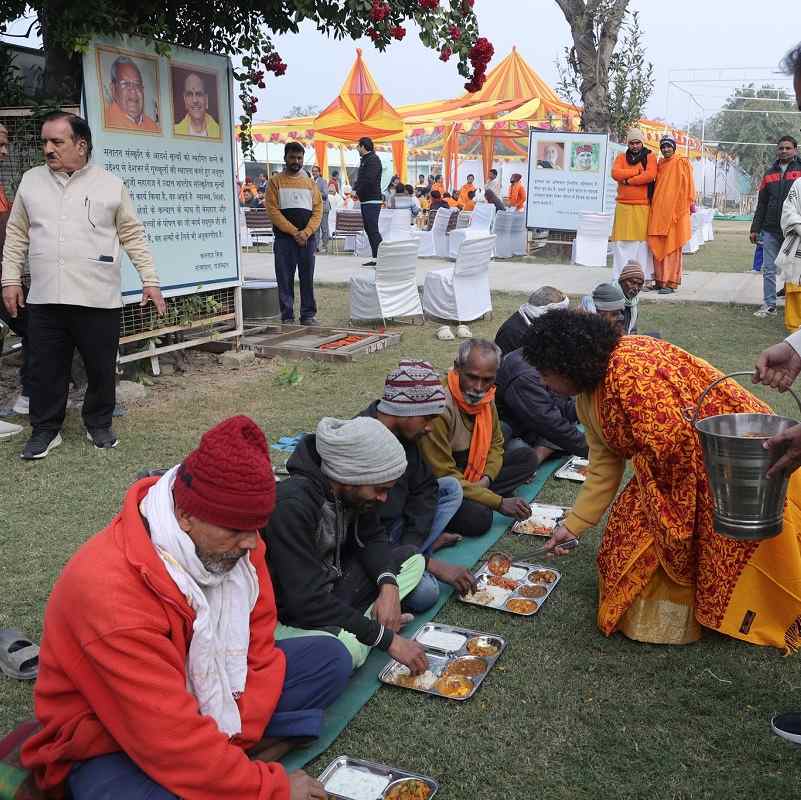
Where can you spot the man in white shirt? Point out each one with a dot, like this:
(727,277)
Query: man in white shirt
(68,220)
(494,183)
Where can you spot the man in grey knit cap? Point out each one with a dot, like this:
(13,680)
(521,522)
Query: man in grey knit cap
(333,566)
(419,506)
(608,301)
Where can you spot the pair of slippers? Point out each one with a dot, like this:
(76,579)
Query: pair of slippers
(445,334)
(19,656)
(9,429)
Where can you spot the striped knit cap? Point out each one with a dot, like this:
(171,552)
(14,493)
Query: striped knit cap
(412,390)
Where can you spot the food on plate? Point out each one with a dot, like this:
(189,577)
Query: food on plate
(448,641)
(536,527)
(488,596)
(356,783)
(499,564)
(516,573)
(402,677)
(454,686)
(409,789)
(520,606)
(581,471)
(537,590)
(482,646)
(542,576)
(504,583)
(471,666)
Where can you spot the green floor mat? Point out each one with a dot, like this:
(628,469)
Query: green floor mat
(365,681)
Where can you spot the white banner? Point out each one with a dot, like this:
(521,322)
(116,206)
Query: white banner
(163,125)
(567,174)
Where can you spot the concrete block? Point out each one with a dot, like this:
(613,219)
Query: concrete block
(237,359)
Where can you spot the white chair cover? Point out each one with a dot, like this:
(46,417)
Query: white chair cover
(435,241)
(519,234)
(696,239)
(591,245)
(389,290)
(400,228)
(481,222)
(707,229)
(245,239)
(461,292)
(503,234)
(363,248)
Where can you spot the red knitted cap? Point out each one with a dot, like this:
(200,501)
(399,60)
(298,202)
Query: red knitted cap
(228,480)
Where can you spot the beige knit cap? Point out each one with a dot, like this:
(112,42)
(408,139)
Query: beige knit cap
(635,135)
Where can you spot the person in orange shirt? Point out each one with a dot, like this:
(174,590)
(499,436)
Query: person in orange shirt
(470,186)
(669,226)
(438,185)
(517,194)
(470,203)
(635,173)
(127,109)
(449,200)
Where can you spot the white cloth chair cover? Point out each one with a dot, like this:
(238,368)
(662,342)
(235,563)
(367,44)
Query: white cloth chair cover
(389,290)
(591,245)
(503,234)
(400,227)
(623,252)
(245,239)
(707,228)
(519,234)
(363,249)
(461,292)
(435,241)
(696,239)
(481,222)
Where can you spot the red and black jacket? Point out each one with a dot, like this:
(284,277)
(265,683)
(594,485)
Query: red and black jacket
(773,191)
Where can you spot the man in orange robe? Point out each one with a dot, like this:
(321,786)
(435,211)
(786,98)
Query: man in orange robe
(669,226)
(517,194)
(464,192)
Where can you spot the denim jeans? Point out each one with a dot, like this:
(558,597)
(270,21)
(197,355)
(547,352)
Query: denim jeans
(771,242)
(425,594)
(289,257)
(370,213)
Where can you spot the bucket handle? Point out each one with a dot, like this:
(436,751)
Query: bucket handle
(719,380)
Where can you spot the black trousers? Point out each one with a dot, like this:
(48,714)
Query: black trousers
(370,212)
(356,588)
(474,519)
(54,331)
(291,257)
(19,325)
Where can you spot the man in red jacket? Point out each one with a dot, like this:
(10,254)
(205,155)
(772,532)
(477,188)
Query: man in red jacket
(159,669)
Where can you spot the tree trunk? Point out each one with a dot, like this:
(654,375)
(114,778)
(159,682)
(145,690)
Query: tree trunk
(594,25)
(62,78)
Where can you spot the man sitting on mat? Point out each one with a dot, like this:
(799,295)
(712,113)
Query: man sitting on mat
(418,506)
(511,334)
(466,442)
(336,573)
(159,670)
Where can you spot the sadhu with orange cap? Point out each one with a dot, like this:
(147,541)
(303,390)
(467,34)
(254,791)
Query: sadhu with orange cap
(669,227)
(159,672)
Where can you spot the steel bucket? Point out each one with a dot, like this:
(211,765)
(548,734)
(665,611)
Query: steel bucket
(747,504)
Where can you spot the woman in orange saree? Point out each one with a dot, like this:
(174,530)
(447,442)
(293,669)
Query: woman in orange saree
(663,572)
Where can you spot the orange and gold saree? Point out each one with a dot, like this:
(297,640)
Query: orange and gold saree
(662,568)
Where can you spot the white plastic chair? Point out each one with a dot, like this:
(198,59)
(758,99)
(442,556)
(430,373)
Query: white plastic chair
(481,222)
(503,234)
(363,248)
(707,228)
(435,241)
(389,290)
(462,292)
(591,245)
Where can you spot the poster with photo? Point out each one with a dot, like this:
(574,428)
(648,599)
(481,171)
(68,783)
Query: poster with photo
(162,123)
(567,176)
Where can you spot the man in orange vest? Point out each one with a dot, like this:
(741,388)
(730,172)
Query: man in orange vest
(517,194)
(669,227)
(464,192)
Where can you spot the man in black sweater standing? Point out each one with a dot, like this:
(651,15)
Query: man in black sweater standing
(368,190)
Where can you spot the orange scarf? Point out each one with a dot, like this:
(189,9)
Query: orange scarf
(481,440)
(5,206)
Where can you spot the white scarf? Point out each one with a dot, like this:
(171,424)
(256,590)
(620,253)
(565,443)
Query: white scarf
(217,663)
(530,312)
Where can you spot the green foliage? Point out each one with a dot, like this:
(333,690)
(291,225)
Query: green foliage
(11,89)
(631,77)
(735,122)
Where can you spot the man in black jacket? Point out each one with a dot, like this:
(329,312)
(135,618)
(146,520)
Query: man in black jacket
(332,564)
(773,191)
(368,189)
(510,335)
(419,506)
(531,412)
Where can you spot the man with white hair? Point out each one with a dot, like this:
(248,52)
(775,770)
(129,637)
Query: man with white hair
(127,107)
(510,335)
(334,568)
(466,442)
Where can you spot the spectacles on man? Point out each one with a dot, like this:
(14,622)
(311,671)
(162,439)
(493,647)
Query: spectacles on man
(135,85)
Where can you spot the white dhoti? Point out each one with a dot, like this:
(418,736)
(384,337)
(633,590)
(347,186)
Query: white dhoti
(623,252)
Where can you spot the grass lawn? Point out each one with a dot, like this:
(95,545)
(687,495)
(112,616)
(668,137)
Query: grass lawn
(730,251)
(567,713)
